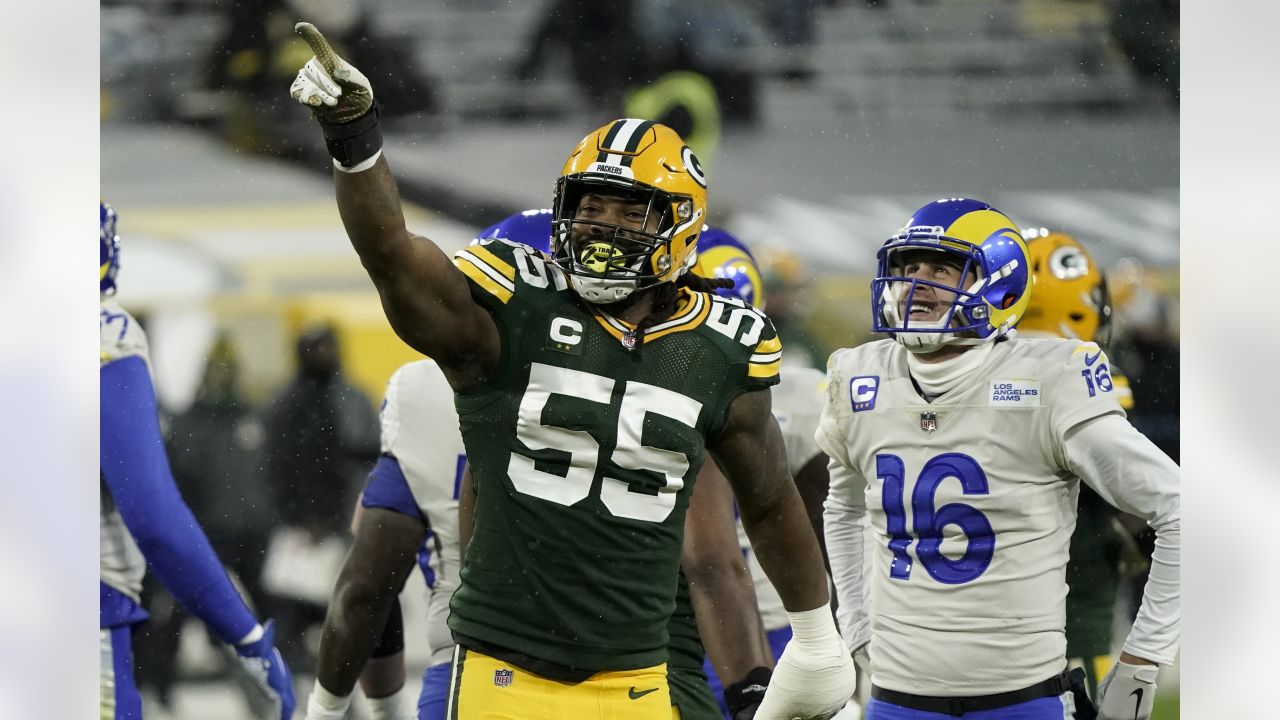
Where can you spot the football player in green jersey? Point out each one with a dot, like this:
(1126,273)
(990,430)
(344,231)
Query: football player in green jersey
(587,387)
(1069,299)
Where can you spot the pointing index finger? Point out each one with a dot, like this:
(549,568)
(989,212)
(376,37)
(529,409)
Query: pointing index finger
(319,45)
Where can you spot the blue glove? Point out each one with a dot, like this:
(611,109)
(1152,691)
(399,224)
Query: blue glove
(263,663)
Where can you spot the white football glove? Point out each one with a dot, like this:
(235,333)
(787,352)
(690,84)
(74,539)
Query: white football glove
(324,705)
(815,676)
(1127,692)
(333,88)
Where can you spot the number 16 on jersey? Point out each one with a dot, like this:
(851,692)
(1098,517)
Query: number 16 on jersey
(928,521)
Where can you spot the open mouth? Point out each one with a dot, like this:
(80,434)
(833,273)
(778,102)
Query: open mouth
(921,310)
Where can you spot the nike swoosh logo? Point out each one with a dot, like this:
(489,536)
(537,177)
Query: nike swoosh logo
(1137,703)
(1091,359)
(634,695)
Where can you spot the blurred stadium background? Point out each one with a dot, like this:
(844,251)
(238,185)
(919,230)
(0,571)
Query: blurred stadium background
(822,125)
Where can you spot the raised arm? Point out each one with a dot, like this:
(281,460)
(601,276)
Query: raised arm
(426,298)
(815,675)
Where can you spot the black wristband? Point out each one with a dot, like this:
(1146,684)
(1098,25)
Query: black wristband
(748,691)
(354,142)
(392,640)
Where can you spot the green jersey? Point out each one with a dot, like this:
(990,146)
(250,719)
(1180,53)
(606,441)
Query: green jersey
(689,689)
(583,451)
(685,644)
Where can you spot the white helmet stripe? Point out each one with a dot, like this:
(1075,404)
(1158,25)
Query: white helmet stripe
(623,138)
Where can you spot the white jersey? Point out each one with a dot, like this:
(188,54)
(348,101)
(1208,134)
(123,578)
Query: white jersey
(797,405)
(120,562)
(420,429)
(971,507)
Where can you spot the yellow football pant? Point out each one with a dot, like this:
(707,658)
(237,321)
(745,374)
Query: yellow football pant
(484,688)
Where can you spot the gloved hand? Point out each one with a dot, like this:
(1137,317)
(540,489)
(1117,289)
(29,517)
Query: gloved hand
(815,676)
(335,90)
(263,663)
(743,697)
(1127,692)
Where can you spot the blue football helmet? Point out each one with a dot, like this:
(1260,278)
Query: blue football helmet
(721,255)
(108,250)
(531,227)
(992,256)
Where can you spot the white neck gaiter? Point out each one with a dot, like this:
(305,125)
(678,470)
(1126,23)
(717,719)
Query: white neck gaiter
(940,377)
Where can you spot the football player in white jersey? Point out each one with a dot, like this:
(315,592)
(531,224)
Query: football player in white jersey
(966,446)
(144,520)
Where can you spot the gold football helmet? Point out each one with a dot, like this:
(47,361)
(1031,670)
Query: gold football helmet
(645,163)
(1070,297)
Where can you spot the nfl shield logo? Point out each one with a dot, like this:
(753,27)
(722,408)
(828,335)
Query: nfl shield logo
(502,678)
(928,421)
(629,340)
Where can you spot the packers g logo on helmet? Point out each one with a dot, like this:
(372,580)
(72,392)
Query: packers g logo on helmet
(983,241)
(693,167)
(643,162)
(1071,298)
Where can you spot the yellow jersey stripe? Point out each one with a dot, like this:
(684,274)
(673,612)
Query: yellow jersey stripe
(764,370)
(690,323)
(692,311)
(772,345)
(608,327)
(482,253)
(688,303)
(1124,393)
(482,278)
